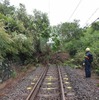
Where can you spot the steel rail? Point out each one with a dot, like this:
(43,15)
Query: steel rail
(61,84)
(36,87)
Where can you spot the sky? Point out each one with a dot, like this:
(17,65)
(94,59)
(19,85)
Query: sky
(59,11)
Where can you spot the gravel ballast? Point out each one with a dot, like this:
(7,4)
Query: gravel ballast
(84,87)
(19,90)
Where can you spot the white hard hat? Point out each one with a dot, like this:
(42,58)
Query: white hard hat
(87,49)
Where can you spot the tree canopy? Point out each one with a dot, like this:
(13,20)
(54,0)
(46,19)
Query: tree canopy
(26,36)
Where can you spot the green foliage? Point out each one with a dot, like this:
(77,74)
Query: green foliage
(22,35)
(26,36)
(41,24)
(43,44)
(71,30)
(56,45)
(79,57)
(75,40)
(97,71)
(71,48)
(91,40)
(95,25)
(41,30)
(5,41)
(97,85)
(23,43)
(5,8)
(13,74)
(67,34)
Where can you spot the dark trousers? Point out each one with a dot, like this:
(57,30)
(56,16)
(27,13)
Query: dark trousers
(88,70)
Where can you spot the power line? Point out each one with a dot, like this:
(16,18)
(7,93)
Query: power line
(91,15)
(75,10)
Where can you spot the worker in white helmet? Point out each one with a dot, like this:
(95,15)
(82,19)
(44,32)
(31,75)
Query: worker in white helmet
(87,62)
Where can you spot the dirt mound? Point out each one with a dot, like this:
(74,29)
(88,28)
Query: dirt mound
(59,57)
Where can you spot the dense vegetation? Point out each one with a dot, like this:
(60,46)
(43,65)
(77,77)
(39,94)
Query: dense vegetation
(24,38)
(75,40)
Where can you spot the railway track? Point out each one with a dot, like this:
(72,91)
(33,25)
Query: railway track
(53,84)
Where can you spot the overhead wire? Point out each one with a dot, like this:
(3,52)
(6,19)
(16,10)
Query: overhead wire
(75,9)
(91,16)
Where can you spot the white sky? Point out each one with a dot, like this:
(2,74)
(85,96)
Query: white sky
(61,10)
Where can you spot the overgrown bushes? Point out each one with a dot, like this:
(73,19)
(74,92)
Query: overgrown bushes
(22,35)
